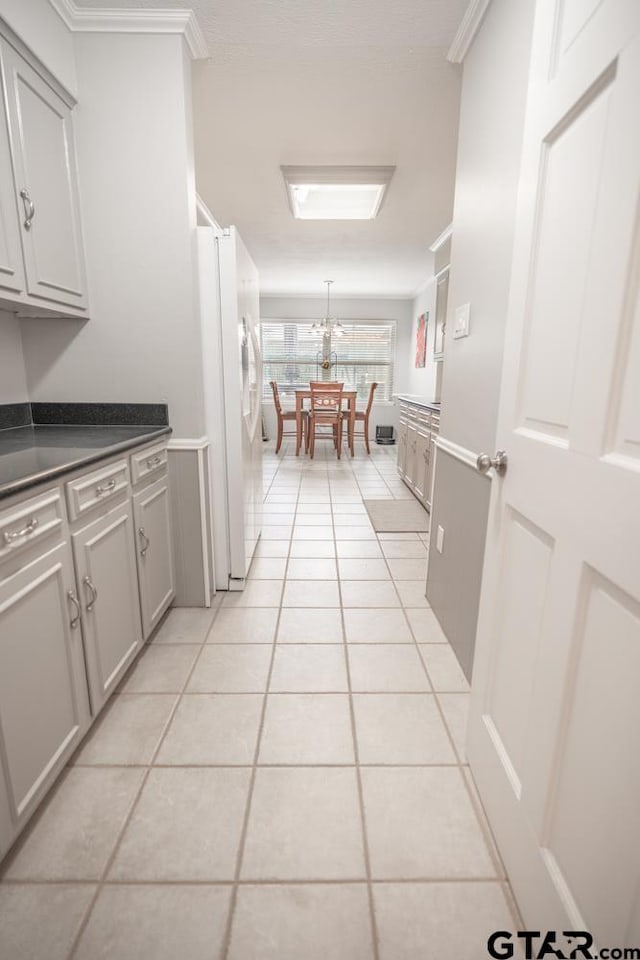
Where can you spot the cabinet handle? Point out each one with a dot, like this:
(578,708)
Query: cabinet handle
(106,487)
(94,593)
(154,461)
(29,208)
(73,623)
(11,535)
(145,541)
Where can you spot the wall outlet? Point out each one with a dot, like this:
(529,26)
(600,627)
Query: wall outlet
(440,539)
(461,321)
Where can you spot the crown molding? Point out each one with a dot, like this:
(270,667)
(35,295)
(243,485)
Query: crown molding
(441,239)
(110,20)
(302,295)
(467,30)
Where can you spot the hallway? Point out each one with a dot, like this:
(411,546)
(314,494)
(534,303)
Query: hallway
(281,777)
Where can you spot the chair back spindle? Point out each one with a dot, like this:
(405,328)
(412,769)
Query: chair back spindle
(276,396)
(372,390)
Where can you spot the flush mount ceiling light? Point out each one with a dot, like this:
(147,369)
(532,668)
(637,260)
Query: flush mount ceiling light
(336,193)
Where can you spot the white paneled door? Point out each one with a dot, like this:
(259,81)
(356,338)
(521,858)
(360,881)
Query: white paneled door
(555,722)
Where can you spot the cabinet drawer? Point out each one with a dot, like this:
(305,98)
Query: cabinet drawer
(97,488)
(150,461)
(29,522)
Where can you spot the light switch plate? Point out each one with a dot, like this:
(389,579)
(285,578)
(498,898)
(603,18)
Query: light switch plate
(440,539)
(461,321)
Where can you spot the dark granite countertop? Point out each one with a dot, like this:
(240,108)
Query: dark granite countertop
(35,454)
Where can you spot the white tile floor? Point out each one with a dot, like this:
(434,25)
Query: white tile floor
(281,777)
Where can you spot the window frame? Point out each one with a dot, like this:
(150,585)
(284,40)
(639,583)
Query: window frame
(390,364)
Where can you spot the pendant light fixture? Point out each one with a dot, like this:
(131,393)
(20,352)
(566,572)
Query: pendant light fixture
(330,326)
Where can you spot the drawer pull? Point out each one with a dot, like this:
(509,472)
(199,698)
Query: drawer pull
(10,536)
(154,461)
(145,541)
(73,623)
(94,593)
(106,487)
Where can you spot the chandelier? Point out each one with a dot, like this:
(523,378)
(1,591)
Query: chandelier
(330,326)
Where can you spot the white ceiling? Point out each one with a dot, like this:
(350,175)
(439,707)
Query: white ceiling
(309,82)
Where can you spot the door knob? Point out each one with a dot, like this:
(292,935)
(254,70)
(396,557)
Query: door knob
(499,463)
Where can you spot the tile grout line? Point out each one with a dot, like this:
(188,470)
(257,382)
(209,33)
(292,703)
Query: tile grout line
(237,883)
(375,940)
(136,799)
(479,815)
(231,908)
(300,882)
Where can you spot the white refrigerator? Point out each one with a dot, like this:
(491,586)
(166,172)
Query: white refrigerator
(232,363)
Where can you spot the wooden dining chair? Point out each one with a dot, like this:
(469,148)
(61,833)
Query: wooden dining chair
(362,416)
(287,415)
(326,411)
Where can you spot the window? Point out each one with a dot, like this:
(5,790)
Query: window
(292,356)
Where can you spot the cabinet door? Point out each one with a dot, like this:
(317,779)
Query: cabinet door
(402,447)
(43,695)
(422,466)
(412,445)
(107,581)
(435,430)
(154,552)
(11,269)
(46,189)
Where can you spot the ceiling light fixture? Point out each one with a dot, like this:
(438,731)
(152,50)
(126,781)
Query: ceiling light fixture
(330,326)
(336,193)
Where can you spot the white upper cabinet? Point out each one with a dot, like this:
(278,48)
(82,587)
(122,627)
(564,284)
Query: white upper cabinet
(39,192)
(11,268)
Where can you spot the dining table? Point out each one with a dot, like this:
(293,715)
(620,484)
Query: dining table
(305,394)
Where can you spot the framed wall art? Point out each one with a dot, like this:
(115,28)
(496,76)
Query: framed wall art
(421,340)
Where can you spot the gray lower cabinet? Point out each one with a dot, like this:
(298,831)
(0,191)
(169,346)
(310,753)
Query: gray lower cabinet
(417,429)
(152,513)
(421,466)
(78,579)
(108,592)
(44,710)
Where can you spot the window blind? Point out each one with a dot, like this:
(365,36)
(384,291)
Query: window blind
(292,356)
(366,354)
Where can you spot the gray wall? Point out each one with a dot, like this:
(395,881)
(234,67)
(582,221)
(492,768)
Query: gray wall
(142,341)
(489,145)
(13,378)
(461,501)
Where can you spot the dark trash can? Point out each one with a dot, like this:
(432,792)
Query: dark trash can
(384,435)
